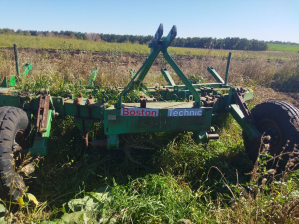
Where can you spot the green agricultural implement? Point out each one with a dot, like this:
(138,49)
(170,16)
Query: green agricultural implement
(171,108)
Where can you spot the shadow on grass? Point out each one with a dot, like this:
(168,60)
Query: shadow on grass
(70,170)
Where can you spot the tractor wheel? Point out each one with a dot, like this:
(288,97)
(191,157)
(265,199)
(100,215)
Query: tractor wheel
(13,125)
(278,119)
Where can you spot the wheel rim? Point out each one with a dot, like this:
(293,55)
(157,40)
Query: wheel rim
(19,147)
(269,127)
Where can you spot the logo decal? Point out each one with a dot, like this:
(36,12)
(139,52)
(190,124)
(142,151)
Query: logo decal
(141,112)
(184,112)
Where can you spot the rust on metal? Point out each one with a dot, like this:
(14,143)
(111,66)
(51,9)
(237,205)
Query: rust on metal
(143,103)
(90,100)
(42,113)
(85,136)
(79,99)
(99,143)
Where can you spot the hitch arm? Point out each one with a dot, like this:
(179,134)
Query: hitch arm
(242,115)
(248,128)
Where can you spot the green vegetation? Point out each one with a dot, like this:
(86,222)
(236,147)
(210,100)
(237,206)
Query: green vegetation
(68,44)
(228,43)
(156,178)
(73,44)
(283,47)
(152,178)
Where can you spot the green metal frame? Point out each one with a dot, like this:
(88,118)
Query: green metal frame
(167,76)
(208,100)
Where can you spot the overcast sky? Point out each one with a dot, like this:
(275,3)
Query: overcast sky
(252,19)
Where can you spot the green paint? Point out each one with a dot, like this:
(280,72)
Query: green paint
(248,128)
(213,72)
(41,139)
(27,67)
(92,77)
(167,76)
(227,67)
(211,99)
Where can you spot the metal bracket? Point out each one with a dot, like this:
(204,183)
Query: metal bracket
(167,76)
(43,126)
(84,125)
(216,76)
(243,106)
(42,113)
(90,100)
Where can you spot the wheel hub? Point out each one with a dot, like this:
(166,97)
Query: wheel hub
(269,127)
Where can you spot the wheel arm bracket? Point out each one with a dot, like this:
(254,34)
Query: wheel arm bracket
(248,128)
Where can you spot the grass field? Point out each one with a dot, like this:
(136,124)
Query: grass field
(152,178)
(283,47)
(73,44)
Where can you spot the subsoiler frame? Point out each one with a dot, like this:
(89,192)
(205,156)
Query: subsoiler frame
(211,99)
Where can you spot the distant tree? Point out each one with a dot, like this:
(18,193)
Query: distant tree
(27,33)
(40,34)
(20,32)
(51,34)
(92,36)
(230,43)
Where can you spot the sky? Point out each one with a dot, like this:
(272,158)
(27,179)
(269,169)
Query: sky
(252,19)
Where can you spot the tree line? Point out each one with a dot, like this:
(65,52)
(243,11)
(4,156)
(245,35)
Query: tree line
(234,43)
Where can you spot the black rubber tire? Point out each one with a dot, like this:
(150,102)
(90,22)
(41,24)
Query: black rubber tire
(12,121)
(275,118)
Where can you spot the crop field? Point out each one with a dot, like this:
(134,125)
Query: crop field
(152,178)
(74,44)
(283,47)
